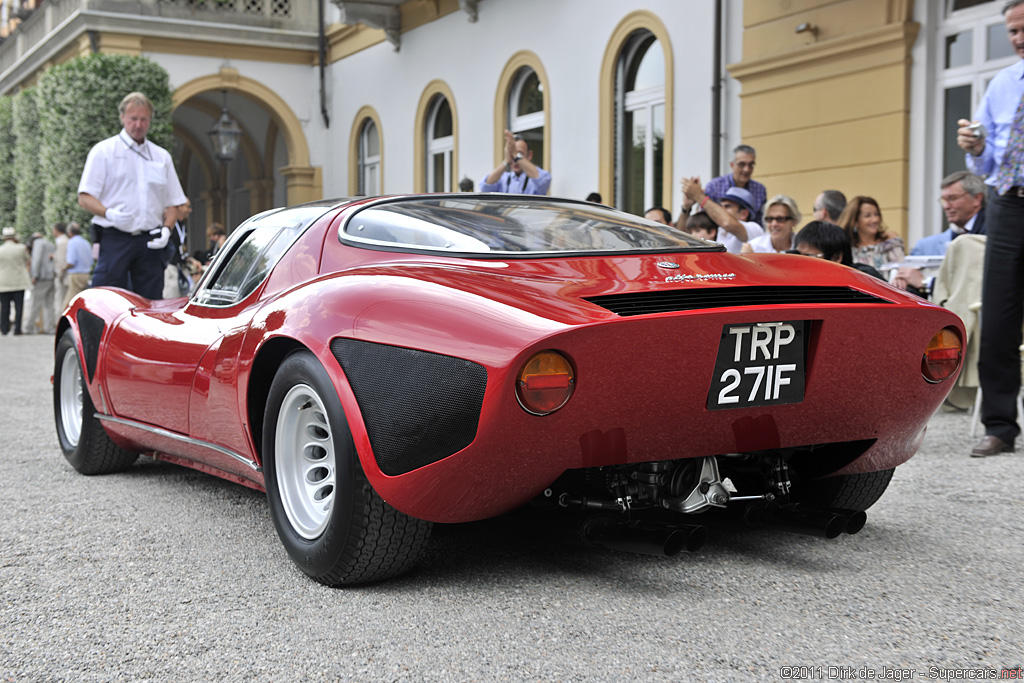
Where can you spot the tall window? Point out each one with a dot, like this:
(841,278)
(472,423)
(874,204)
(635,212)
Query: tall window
(526,111)
(973,47)
(369,159)
(440,143)
(639,123)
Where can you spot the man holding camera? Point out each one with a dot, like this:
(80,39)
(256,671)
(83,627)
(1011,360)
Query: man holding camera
(994,143)
(517,174)
(129,184)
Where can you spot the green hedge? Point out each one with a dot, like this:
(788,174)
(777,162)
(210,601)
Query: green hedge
(7,141)
(81,109)
(28,214)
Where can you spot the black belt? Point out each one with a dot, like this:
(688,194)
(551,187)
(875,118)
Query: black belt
(1015,191)
(144,233)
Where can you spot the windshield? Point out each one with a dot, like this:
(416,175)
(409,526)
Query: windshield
(510,225)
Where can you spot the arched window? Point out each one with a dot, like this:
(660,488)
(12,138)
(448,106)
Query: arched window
(366,154)
(640,124)
(369,159)
(440,142)
(526,110)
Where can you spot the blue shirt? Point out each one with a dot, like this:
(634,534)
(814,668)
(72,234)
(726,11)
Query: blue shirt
(79,255)
(933,245)
(996,112)
(521,184)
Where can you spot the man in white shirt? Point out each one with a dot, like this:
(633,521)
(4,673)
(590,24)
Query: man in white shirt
(732,216)
(129,184)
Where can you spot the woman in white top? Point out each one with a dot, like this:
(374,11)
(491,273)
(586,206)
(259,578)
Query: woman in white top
(780,217)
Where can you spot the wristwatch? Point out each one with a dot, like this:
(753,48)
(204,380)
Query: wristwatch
(519,156)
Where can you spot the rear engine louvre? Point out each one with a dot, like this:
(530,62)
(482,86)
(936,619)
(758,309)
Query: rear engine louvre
(667,301)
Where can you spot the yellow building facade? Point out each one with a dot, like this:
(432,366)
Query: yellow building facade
(825,90)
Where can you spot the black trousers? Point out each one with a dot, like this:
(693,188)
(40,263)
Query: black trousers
(1002,314)
(6,299)
(125,261)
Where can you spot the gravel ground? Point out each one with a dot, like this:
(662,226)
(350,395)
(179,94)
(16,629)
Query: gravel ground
(165,574)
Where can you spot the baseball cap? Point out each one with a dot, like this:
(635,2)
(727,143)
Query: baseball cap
(742,198)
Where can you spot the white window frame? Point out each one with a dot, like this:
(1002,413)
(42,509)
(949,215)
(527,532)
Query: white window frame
(932,81)
(638,103)
(443,145)
(369,165)
(516,123)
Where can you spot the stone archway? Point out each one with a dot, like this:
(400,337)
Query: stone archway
(304,182)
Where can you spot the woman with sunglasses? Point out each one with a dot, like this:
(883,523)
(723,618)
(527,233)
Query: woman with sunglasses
(781,215)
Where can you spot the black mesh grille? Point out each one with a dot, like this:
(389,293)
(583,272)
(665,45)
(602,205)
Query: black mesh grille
(665,301)
(418,407)
(90,329)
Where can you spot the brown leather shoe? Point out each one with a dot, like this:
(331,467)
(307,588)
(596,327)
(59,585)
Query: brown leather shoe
(991,445)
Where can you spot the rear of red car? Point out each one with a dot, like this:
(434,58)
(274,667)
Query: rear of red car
(601,366)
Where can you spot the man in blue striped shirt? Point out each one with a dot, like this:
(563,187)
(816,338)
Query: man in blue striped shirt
(994,143)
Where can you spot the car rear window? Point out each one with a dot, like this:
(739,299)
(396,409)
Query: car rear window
(510,225)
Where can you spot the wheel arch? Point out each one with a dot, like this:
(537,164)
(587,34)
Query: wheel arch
(264,366)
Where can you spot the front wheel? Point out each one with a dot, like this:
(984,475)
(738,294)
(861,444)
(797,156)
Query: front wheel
(82,438)
(335,527)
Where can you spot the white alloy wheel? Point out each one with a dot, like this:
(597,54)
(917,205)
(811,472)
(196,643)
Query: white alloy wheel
(70,397)
(305,462)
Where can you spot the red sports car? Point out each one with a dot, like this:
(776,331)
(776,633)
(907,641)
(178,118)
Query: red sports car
(378,365)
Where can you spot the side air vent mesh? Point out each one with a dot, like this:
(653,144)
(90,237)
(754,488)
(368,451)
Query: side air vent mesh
(90,328)
(418,407)
(666,301)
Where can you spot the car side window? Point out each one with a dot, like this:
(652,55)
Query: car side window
(247,265)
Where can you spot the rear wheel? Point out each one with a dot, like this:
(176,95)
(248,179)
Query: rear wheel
(82,438)
(846,491)
(332,523)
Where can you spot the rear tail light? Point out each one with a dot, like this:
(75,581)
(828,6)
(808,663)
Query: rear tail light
(943,355)
(545,383)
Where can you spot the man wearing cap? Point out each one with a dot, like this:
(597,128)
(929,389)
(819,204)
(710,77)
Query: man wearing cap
(14,280)
(732,215)
(130,187)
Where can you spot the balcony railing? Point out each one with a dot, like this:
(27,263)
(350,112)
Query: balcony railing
(263,8)
(48,30)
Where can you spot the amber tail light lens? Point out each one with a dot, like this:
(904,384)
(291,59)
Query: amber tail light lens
(545,383)
(943,355)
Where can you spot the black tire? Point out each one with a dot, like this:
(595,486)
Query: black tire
(335,527)
(82,438)
(846,491)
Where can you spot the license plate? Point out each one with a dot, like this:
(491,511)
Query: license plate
(759,364)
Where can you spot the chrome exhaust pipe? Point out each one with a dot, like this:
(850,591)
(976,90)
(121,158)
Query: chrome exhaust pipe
(645,538)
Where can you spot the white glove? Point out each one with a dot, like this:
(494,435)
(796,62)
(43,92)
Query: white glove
(161,241)
(120,218)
